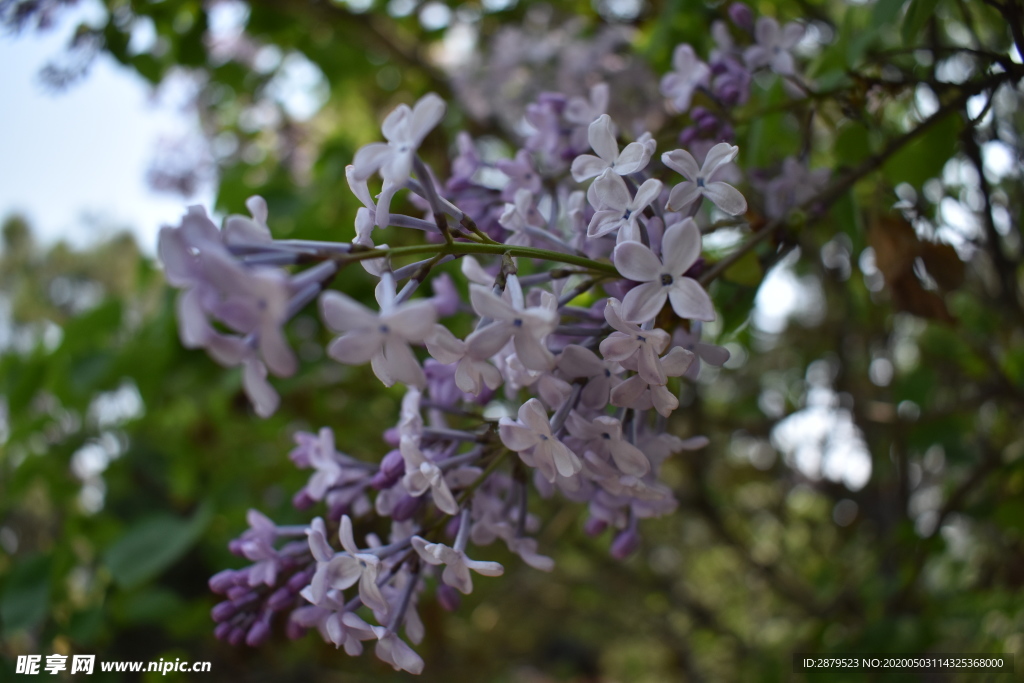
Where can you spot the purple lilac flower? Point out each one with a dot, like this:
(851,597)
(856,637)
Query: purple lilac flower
(774,46)
(701,182)
(664,278)
(688,74)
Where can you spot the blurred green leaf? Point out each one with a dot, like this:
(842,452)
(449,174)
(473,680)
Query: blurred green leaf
(924,157)
(153,544)
(26,593)
(918,13)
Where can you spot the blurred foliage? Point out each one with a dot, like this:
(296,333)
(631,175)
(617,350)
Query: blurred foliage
(128,462)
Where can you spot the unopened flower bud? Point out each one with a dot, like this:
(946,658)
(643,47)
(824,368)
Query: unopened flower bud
(595,527)
(742,16)
(259,633)
(405,508)
(625,544)
(223,611)
(448,597)
(222,581)
(302,500)
(221,631)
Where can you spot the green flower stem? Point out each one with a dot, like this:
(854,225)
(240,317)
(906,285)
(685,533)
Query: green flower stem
(471,248)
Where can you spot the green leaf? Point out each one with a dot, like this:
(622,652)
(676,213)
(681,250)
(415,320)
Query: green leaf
(26,595)
(852,145)
(917,15)
(153,545)
(746,271)
(884,12)
(924,157)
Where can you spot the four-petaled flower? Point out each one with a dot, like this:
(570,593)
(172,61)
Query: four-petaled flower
(774,45)
(338,571)
(404,129)
(532,431)
(421,475)
(383,339)
(663,278)
(701,182)
(603,435)
(617,211)
(601,134)
(629,340)
(457,565)
(688,73)
(526,327)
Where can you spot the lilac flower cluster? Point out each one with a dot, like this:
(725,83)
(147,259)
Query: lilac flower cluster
(582,276)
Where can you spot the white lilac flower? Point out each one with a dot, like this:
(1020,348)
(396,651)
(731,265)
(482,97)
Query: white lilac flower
(603,435)
(351,629)
(518,216)
(457,565)
(526,327)
(521,175)
(410,422)
(250,301)
(629,340)
(617,211)
(471,375)
(663,278)
(384,338)
(404,128)
(688,73)
(701,180)
(532,431)
(794,184)
(712,354)
(180,248)
(639,393)
(257,545)
(601,135)
(421,475)
(338,571)
(774,46)
(242,230)
(328,619)
(578,362)
(328,470)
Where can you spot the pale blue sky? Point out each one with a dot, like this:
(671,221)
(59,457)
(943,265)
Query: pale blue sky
(65,156)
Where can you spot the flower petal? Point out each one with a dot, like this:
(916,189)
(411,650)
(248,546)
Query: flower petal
(426,114)
(628,458)
(633,158)
(533,415)
(413,321)
(515,436)
(726,197)
(402,364)
(487,305)
(488,340)
(718,156)
(355,348)
(579,361)
(690,301)
(646,194)
(532,353)
(610,191)
(342,313)
(682,162)
(587,166)
(683,196)
(680,247)
(644,302)
(601,135)
(636,262)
